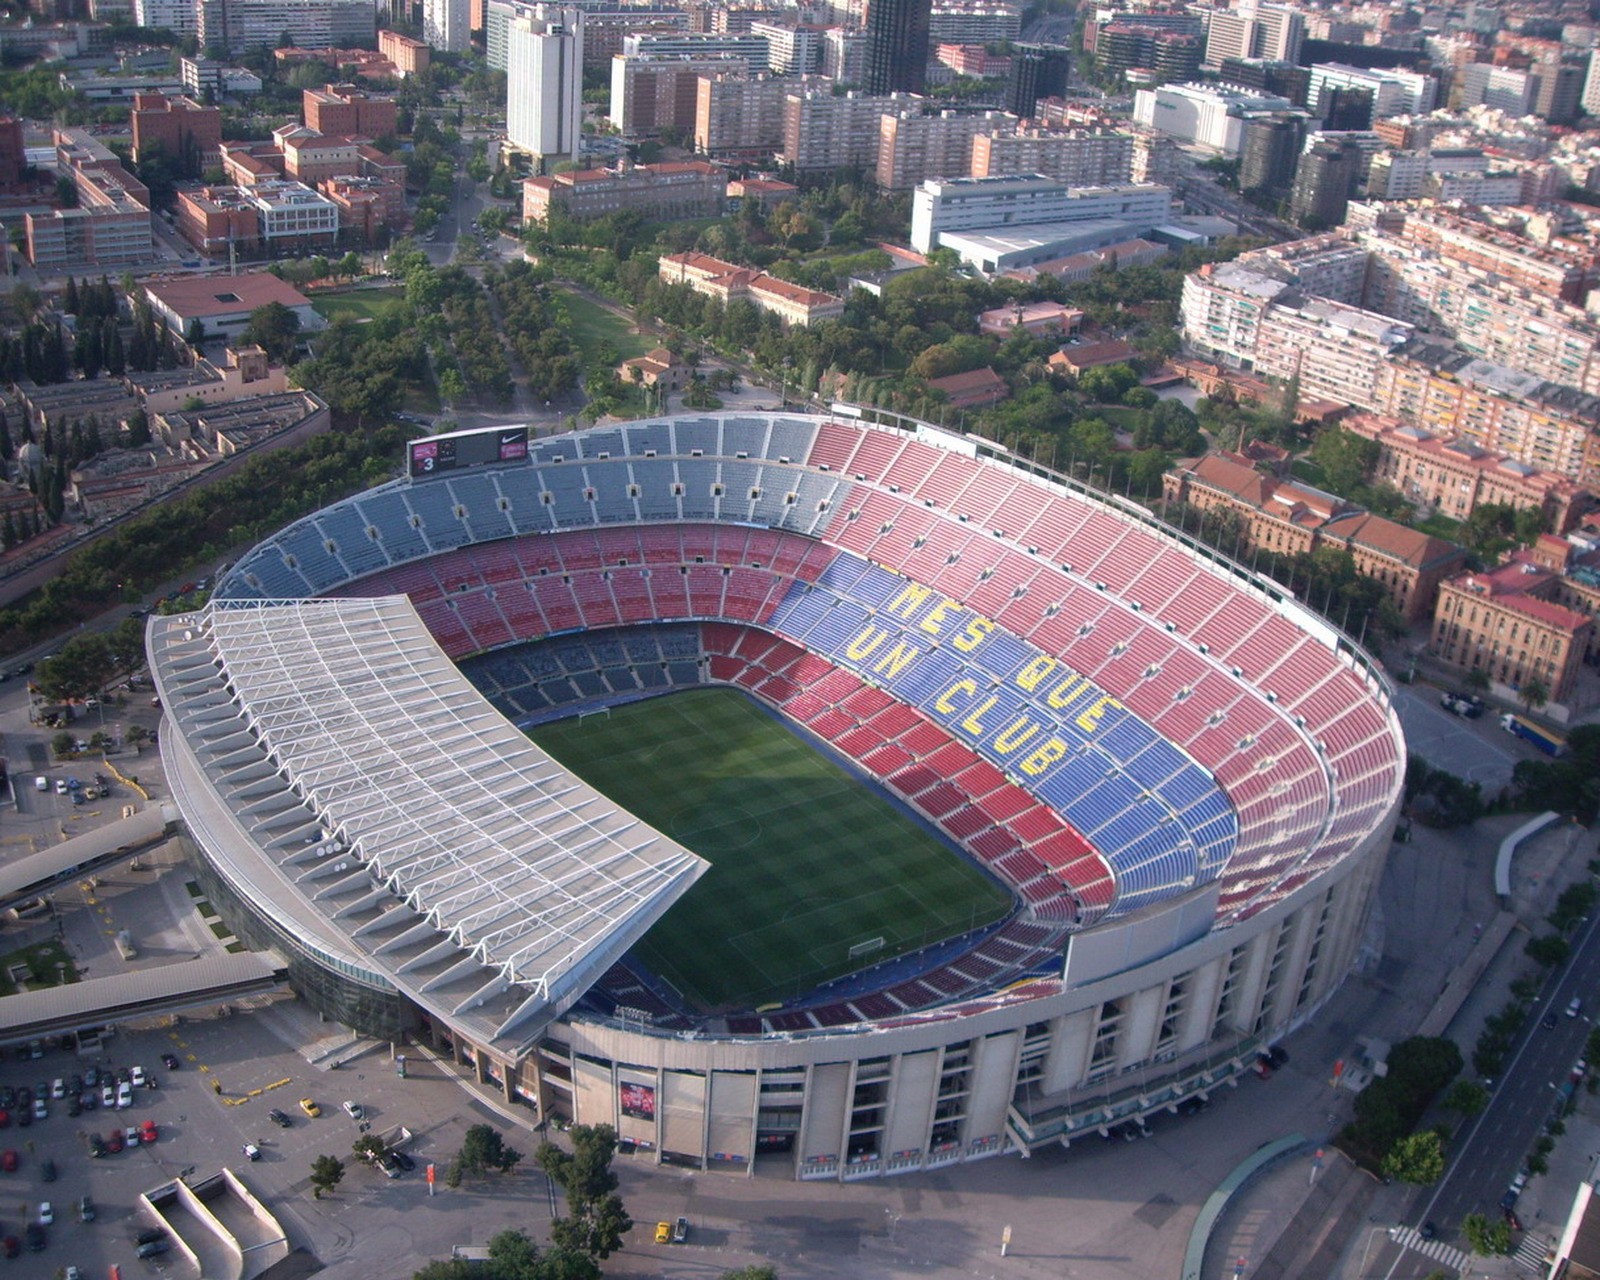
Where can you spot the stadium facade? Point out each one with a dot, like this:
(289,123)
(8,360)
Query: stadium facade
(1187,780)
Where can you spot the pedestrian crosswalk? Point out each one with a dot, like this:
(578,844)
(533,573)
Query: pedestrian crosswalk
(1532,1255)
(1410,1238)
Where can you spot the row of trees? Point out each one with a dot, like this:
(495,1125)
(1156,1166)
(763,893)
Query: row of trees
(537,328)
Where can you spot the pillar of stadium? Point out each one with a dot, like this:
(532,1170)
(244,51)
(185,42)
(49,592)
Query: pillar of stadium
(406,909)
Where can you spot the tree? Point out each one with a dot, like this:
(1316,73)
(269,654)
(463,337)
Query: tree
(1548,951)
(276,329)
(1533,694)
(368,1147)
(596,1221)
(484,1149)
(136,736)
(1477,680)
(1467,1098)
(1418,1159)
(62,745)
(1486,1238)
(326,1173)
(750,1273)
(1345,459)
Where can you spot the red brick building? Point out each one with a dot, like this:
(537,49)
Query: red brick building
(410,57)
(13,159)
(177,127)
(345,109)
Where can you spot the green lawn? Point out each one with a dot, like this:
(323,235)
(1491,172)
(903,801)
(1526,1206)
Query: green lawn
(592,324)
(807,860)
(41,960)
(360,304)
(1440,526)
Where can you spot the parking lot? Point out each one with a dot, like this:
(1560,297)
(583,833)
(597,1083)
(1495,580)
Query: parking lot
(232,1070)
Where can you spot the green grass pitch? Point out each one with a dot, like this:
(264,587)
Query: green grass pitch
(806,859)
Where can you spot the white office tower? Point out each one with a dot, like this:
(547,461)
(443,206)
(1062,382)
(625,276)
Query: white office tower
(1272,32)
(1591,88)
(544,84)
(178,16)
(447,25)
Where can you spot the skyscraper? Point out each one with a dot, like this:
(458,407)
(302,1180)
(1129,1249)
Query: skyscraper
(1037,71)
(544,83)
(1269,152)
(446,25)
(897,45)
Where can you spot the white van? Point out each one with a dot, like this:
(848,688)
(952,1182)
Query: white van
(41,783)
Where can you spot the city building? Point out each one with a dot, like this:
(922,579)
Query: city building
(241,25)
(1498,88)
(1036,319)
(109,228)
(1395,91)
(13,154)
(1336,352)
(180,17)
(898,44)
(1209,115)
(447,25)
(729,283)
(650,94)
(793,48)
(739,117)
(1078,157)
(1037,71)
(657,369)
(1289,518)
(272,218)
(1078,267)
(666,192)
(1505,622)
(178,128)
(1272,32)
(206,79)
(371,210)
(753,49)
(1158,55)
(223,303)
(823,131)
(1275,79)
(844,56)
(768,193)
(971,22)
(1324,180)
(975,389)
(544,85)
(914,146)
(974,60)
(1013,201)
(410,57)
(1454,477)
(1269,153)
(348,110)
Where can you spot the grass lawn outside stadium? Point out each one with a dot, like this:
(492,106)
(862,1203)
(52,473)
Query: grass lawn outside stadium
(808,860)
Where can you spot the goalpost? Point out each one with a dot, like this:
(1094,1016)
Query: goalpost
(603,712)
(866,948)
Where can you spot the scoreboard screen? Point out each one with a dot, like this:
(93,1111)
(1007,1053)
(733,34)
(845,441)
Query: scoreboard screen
(438,454)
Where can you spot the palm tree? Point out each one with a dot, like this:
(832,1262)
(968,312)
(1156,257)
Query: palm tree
(1533,693)
(1477,680)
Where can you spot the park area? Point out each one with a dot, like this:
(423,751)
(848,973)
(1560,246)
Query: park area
(809,861)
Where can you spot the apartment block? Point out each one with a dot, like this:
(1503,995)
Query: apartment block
(793,48)
(844,55)
(1078,157)
(679,189)
(110,226)
(913,147)
(739,117)
(179,128)
(822,132)
(729,283)
(370,209)
(447,25)
(1454,477)
(349,110)
(240,25)
(687,44)
(650,94)
(410,57)
(1336,351)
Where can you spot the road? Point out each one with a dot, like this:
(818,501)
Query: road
(1478,750)
(1498,1143)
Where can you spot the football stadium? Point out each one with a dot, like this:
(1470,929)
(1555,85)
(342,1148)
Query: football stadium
(821,795)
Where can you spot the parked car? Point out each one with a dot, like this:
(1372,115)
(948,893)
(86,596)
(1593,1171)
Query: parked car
(108,1096)
(680,1231)
(280,1119)
(170,1061)
(150,1235)
(148,1132)
(85,1209)
(9,1160)
(36,1236)
(153,1247)
(124,1095)
(663,1233)
(251,1151)
(136,1077)
(40,1111)
(47,1170)
(114,1142)
(403,1160)
(131,1133)
(1573,1006)
(353,1110)
(97,1146)
(47,1213)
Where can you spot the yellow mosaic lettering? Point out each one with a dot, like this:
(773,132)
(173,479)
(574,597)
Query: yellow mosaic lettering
(1033,675)
(944,706)
(1052,750)
(1015,735)
(972,724)
(896,660)
(931,623)
(870,638)
(1089,721)
(909,600)
(974,635)
(1065,692)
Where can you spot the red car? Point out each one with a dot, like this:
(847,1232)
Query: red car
(5,1118)
(8,1161)
(11,1246)
(148,1131)
(114,1141)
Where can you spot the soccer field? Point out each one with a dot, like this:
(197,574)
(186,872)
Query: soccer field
(807,860)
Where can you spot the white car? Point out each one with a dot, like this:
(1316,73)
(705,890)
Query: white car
(108,1096)
(47,1214)
(137,1076)
(124,1095)
(251,1151)
(353,1110)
